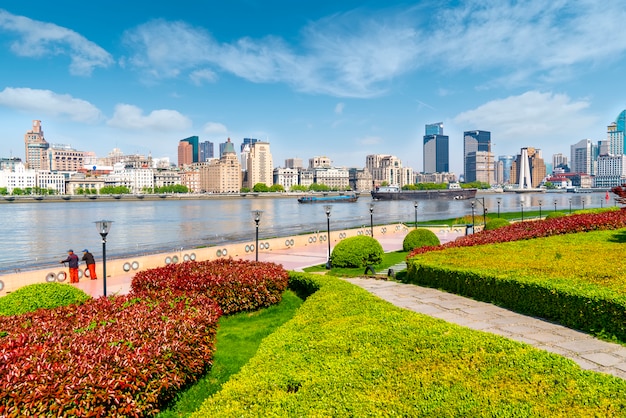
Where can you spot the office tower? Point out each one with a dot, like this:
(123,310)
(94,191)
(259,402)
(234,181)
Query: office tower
(582,158)
(559,161)
(223,175)
(206,151)
(248,142)
(36,148)
(195,148)
(260,167)
(185,153)
(615,134)
(436,154)
(505,162)
(474,141)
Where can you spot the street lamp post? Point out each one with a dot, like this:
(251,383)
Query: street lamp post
(540,202)
(473,216)
(555,205)
(103,228)
(372,220)
(601,203)
(583,201)
(522,206)
(415,205)
(256,215)
(499,201)
(327,209)
(570,206)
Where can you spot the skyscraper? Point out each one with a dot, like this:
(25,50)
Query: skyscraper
(475,141)
(582,157)
(436,151)
(195,145)
(260,166)
(185,153)
(206,151)
(36,148)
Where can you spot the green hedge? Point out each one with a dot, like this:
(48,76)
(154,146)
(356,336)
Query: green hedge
(359,251)
(347,353)
(41,295)
(496,223)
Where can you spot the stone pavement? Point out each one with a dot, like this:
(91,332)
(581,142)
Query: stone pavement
(590,353)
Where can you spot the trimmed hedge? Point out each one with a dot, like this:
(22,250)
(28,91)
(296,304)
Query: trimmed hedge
(41,295)
(349,353)
(420,237)
(359,251)
(553,279)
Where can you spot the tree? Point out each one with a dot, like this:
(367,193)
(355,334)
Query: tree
(277,188)
(298,188)
(260,188)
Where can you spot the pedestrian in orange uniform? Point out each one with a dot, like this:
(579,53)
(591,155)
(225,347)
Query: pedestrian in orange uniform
(72,259)
(91,263)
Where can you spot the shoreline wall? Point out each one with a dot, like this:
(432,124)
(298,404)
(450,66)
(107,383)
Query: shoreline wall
(128,266)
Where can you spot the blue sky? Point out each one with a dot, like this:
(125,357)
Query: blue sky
(341,79)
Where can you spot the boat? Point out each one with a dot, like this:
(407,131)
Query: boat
(329,199)
(395,193)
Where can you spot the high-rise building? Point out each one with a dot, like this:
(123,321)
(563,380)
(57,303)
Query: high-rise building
(436,149)
(475,141)
(388,169)
(294,163)
(36,148)
(64,158)
(223,175)
(206,151)
(615,134)
(185,153)
(582,157)
(194,141)
(480,167)
(260,167)
(503,172)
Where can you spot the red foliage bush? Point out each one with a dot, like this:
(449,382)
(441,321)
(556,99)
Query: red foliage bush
(236,285)
(120,356)
(537,229)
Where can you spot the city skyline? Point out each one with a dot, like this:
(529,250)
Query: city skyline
(344,80)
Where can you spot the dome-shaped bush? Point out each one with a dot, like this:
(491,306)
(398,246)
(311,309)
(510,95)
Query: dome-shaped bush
(420,237)
(359,251)
(496,223)
(553,215)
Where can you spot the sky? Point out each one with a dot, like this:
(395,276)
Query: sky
(341,79)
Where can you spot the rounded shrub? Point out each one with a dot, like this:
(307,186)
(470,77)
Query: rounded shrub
(41,295)
(420,237)
(496,223)
(553,215)
(359,251)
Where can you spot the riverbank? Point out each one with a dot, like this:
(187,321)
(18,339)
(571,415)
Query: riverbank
(162,196)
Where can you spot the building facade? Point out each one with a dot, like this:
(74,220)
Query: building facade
(436,149)
(185,153)
(475,141)
(223,175)
(36,148)
(582,157)
(260,167)
(64,158)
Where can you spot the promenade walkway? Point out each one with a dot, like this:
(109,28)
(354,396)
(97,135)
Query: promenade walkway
(588,352)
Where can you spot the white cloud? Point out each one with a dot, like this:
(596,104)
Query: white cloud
(339,108)
(360,53)
(131,117)
(531,119)
(49,103)
(370,140)
(215,128)
(38,39)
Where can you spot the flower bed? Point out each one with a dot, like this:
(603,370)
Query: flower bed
(112,356)
(236,285)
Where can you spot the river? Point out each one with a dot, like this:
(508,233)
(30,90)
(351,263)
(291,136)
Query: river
(36,234)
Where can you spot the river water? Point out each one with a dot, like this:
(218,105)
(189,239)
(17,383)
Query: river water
(36,234)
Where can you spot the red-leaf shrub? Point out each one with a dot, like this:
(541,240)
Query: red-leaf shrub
(120,356)
(537,229)
(236,285)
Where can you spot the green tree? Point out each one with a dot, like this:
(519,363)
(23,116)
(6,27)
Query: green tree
(260,188)
(277,188)
(245,190)
(298,188)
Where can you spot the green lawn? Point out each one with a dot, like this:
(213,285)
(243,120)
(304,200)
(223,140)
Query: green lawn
(238,339)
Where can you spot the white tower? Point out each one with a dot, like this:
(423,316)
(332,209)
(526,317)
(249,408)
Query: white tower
(524,171)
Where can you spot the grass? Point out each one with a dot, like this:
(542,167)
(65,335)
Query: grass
(238,339)
(389,259)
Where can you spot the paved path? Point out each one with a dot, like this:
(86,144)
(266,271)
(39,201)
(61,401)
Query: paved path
(590,353)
